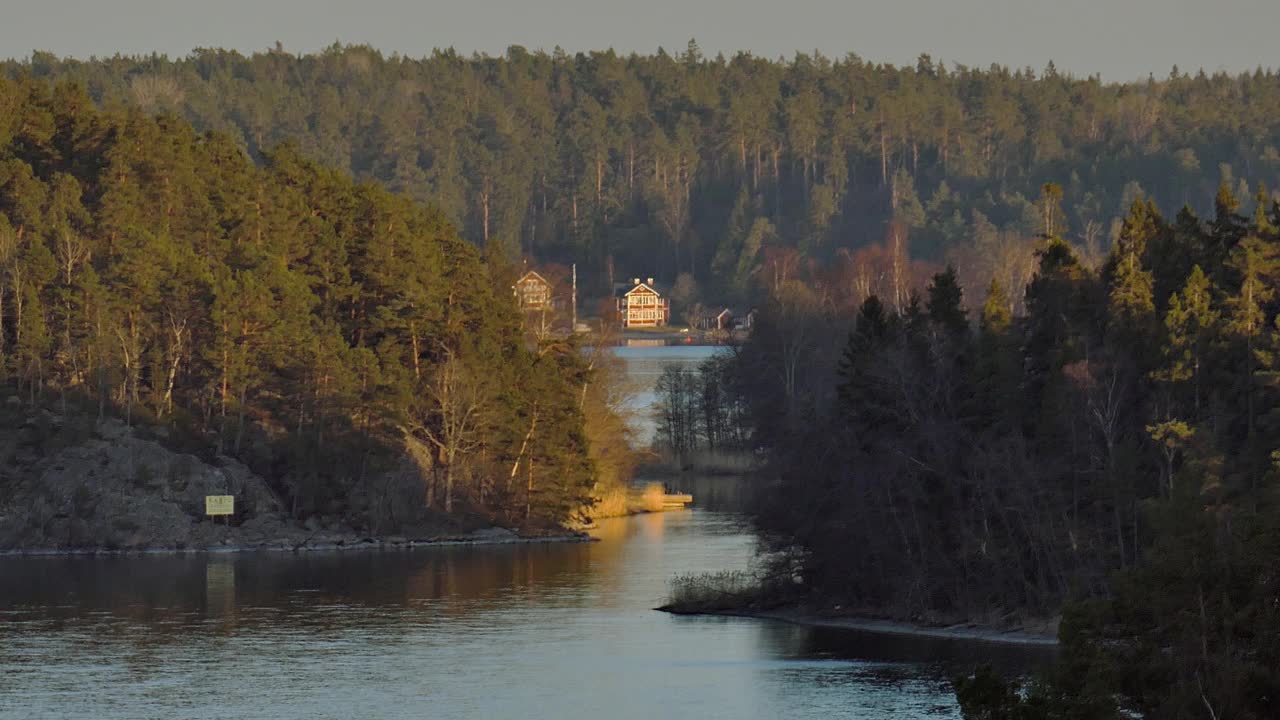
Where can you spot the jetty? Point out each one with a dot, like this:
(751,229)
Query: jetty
(676,501)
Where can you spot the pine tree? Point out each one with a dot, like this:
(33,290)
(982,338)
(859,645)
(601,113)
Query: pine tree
(996,315)
(1227,228)
(294,315)
(946,304)
(1131,308)
(859,388)
(1191,324)
(1257,265)
(1060,311)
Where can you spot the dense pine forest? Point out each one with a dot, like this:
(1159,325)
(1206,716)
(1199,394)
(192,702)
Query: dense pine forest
(1081,410)
(1115,446)
(663,164)
(317,328)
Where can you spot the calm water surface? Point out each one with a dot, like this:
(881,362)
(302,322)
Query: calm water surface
(644,365)
(533,631)
(550,631)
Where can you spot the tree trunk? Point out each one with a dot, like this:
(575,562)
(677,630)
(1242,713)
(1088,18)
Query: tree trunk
(528,494)
(884,157)
(524,444)
(631,168)
(17,307)
(448,485)
(413,336)
(178,331)
(946,147)
(244,389)
(755,169)
(1,326)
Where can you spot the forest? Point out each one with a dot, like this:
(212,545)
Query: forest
(1016,342)
(1113,448)
(676,163)
(317,328)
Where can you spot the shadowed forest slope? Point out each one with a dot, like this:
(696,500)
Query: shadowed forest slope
(657,165)
(1113,447)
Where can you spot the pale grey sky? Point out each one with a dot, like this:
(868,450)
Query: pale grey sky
(1122,39)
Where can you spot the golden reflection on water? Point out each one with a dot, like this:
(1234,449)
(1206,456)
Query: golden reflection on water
(530,631)
(445,581)
(652,526)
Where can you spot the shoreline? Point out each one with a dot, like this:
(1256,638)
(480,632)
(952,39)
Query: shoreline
(965,632)
(282,546)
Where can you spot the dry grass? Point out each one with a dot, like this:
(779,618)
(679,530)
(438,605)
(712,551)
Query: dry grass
(620,501)
(649,499)
(613,502)
(709,592)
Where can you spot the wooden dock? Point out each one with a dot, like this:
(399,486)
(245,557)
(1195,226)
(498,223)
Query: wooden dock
(653,497)
(676,501)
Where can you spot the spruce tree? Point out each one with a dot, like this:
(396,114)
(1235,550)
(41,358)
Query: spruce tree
(1191,324)
(945,304)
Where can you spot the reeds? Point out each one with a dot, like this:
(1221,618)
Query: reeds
(613,502)
(709,592)
(650,499)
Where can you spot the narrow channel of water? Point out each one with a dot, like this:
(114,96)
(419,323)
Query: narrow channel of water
(527,631)
(644,365)
(541,631)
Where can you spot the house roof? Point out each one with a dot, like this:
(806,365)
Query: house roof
(626,290)
(715,313)
(531,274)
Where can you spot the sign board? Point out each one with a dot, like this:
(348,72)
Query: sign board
(219,504)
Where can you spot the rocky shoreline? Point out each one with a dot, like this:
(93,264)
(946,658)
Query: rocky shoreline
(969,632)
(490,536)
(73,486)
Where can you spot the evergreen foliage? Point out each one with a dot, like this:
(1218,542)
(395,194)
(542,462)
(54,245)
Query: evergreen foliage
(1092,453)
(601,159)
(318,328)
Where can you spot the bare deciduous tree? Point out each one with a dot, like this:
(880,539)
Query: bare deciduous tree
(455,412)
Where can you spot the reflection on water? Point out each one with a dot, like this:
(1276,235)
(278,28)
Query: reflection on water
(532,631)
(539,631)
(721,493)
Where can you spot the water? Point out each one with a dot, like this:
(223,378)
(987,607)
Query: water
(644,365)
(548,631)
(533,631)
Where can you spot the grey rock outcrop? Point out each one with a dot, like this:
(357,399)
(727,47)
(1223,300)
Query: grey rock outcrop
(110,488)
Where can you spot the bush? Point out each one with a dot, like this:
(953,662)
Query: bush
(710,592)
(986,695)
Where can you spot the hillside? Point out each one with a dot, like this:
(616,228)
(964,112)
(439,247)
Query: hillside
(670,163)
(317,330)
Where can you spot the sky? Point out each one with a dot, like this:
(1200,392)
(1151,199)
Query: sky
(1120,39)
